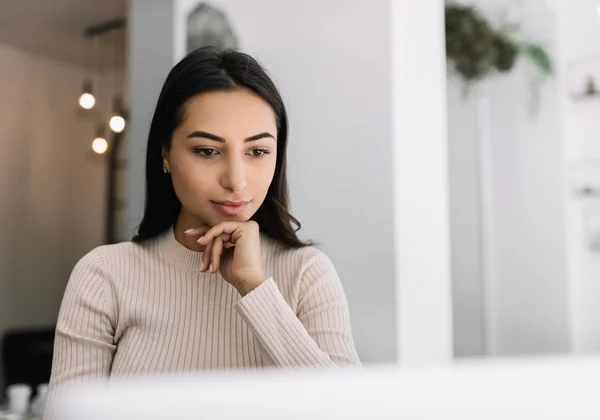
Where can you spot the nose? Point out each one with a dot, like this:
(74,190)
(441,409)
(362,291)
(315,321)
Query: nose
(234,175)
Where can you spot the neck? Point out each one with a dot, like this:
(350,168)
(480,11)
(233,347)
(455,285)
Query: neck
(184,222)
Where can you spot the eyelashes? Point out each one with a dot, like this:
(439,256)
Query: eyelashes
(205,152)
(210,153)
(260,152)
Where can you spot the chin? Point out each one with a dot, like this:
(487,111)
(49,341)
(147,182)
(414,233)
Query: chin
(212,217)
(225,218)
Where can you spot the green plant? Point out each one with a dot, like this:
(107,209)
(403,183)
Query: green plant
(475,50)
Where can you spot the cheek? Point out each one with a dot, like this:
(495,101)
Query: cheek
(265,175)
(192,182)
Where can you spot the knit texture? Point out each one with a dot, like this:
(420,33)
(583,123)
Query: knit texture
(134,309)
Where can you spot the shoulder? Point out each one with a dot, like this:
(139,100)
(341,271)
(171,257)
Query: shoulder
(111,256)
(300,272)
(104,263)
(306,276)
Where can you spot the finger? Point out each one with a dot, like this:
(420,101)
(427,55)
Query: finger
(225,237)
(250,227)
(201,230)
(206,257)
(217,230)
(217,251)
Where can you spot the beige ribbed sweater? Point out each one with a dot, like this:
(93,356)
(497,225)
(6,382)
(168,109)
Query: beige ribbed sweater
(132,309)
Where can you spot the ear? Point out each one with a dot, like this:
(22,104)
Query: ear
(165,158)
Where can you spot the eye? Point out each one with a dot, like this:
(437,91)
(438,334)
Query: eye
(259,152)
(205,152)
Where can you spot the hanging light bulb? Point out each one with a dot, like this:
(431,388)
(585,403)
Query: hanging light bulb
(99,145)
(117,121)
(87,99)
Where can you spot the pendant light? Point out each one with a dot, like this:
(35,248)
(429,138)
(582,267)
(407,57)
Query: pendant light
(117,121)
(99,144)
(87,100)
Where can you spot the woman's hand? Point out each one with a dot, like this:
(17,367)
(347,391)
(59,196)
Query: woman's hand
(234,249)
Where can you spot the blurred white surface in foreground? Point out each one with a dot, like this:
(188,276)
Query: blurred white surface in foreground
(521,389)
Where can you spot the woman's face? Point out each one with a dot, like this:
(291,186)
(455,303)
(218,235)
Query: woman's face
(222,156)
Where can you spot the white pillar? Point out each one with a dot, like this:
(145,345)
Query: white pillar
(421,205)
(151,32)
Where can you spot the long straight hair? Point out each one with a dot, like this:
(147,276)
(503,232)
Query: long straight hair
(208,70)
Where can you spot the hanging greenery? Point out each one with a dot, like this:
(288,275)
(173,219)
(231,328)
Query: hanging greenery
(475,50)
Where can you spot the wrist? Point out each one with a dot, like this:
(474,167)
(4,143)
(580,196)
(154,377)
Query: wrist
(250,284)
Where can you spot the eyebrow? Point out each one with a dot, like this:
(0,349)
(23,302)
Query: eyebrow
(209,136)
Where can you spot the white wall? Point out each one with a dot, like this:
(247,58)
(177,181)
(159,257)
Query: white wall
(519,270)
(579,36)
(51,186)
(465,216)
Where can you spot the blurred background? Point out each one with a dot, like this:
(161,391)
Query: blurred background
(444,155)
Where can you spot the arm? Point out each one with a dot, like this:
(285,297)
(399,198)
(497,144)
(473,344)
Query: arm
(84,342)
(318,335)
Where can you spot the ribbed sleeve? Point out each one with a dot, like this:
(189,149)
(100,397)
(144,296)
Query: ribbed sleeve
(318,335)
(84,341)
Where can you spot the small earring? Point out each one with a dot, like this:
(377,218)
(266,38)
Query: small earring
(165,170)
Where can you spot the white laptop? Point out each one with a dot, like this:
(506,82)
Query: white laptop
(529,389)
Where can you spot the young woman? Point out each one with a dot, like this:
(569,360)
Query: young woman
(215,278)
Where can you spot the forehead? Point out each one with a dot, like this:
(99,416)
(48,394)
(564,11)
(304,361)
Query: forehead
(238,112)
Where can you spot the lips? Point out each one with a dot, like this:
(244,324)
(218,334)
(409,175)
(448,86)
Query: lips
(231,203)
(230,208)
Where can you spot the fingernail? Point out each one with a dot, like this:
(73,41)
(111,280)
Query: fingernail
(200,240)
(188,231)
(210,268)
